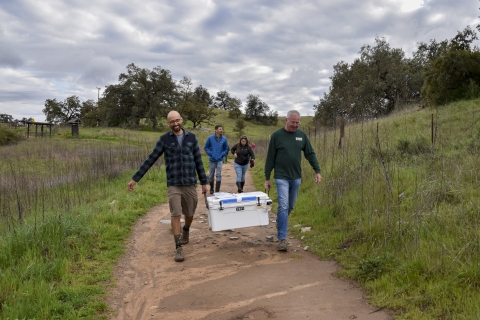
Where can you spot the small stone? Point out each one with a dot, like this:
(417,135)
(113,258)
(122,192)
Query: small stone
(233,238)
(305,248)
(145,283)
(303,237)
(305,229)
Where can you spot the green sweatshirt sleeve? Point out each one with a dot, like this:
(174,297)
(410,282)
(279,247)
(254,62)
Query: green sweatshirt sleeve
(270,161)
(310,155)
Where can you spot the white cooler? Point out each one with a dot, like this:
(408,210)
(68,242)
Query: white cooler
(231,211)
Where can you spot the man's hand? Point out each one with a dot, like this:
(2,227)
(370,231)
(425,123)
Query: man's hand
(131,184)
(204,188)
(267,184)
(318,178)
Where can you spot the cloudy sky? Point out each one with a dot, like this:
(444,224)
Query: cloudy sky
(283,51)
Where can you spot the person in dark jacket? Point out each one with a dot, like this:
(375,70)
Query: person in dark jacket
(216,147)
(284,157)
(244,155)
(183,162)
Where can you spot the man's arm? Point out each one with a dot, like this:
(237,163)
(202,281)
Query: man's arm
(147,164)
(197,157)
(225,148)
(207,147)
(270,160)
(310,155)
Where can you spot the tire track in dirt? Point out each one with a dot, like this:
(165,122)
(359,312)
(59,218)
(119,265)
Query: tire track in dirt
(227,279)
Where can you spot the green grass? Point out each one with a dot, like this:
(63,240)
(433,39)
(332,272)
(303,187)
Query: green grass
(400,217)
(60,267)
(408,231)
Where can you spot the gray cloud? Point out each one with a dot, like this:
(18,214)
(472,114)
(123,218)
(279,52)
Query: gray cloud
(281,51)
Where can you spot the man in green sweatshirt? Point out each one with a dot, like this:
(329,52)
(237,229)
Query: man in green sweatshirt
(284,157)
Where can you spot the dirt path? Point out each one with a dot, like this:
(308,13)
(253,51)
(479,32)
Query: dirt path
(227,279)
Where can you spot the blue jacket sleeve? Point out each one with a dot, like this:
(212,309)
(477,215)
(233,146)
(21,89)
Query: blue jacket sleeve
(207,147)
(225,149)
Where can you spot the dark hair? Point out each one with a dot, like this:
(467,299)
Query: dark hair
(239,145)
(218,126)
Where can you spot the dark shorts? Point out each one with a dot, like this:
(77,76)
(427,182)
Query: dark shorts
(182,200)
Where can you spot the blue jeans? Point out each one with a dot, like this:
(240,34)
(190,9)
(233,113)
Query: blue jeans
(287,193)
(240,171)
(215,166)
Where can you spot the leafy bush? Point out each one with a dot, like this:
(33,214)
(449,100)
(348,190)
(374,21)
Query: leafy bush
(417,147)
(8,136)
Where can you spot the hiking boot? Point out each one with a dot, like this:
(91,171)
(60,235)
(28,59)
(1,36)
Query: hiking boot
(185,236)
(239,187)
(282,245)
(179,255)
(211,187)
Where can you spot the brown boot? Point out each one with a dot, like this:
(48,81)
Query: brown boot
(185,236)
(179,255)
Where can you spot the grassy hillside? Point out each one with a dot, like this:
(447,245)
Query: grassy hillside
(255,132)
(399,211)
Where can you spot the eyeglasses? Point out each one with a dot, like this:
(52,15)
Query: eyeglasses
(174,121)
(294,122)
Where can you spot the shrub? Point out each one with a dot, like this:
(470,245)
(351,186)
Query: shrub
(419,146)
(8,136)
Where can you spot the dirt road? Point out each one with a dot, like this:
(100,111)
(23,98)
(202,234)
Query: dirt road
(222,278)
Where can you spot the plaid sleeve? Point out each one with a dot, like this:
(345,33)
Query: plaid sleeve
(197,156)
(148,163)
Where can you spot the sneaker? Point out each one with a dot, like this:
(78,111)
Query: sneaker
(185,236)
(179,255)
(282,245)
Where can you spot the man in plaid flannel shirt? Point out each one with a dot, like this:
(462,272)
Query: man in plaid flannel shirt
(183,162)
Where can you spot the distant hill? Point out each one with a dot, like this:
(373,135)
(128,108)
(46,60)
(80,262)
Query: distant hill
(252,130)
